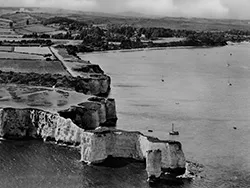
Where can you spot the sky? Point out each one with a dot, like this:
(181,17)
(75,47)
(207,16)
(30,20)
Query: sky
(238,9)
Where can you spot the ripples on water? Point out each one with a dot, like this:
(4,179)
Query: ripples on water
(194,96)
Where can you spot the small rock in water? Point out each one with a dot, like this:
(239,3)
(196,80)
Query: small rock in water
(235,128)
(150,130)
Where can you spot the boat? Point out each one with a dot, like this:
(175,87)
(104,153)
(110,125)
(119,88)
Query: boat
(173,132)
(228,82)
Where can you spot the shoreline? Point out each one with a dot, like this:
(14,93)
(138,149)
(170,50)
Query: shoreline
(162,48)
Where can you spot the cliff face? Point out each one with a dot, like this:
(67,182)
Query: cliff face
(93,113)
(97,145)
(65,126)
(33,123)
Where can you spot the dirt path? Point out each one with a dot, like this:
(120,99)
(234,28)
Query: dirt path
(61,59)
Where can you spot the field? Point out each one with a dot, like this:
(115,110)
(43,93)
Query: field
(6,49)
(56,32)
(39,29)
(29,65)
(20,18)
(21,31)
(6,31)
(33,50)
(7,55)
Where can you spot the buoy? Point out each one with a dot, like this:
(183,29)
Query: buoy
(235,128)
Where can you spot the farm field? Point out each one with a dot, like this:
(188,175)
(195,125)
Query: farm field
(33,50)
(56,32)
(20,18)
(6,49)
(32,65)
(13,55)
(6,31)
(21,31)
(39,29)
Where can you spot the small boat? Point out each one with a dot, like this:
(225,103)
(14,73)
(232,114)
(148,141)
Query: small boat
(228,82)
(173,132)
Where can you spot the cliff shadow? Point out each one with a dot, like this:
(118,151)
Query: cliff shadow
(118,162)
(170,181)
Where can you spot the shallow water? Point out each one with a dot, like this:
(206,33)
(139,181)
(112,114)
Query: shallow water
(153,89)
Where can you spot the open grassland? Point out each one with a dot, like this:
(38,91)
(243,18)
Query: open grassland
(36,66)
(13,55)
(33,50)
(22,96)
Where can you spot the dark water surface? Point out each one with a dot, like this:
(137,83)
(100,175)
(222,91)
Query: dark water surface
(154,88)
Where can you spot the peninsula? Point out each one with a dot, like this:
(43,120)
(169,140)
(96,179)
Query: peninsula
(49,93)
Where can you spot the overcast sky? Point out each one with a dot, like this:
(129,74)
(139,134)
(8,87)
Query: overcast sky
(193,8)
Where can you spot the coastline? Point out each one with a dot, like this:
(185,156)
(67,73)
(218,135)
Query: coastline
(162,48)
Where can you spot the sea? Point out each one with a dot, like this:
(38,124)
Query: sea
(204,92)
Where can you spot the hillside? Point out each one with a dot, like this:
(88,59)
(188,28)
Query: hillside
(137,20)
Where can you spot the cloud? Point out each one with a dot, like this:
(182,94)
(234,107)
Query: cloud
(160,7)
(190,8)
(66,4)
(237,8)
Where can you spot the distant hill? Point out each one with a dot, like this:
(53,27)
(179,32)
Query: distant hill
(129,18)
(135,14)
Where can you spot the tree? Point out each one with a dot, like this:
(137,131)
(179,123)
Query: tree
(11,24)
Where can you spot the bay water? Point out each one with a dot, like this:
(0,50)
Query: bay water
(203,91)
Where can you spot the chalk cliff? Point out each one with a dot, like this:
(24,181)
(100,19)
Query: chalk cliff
(34,123)
(64,126)
(99,144)
(96,145)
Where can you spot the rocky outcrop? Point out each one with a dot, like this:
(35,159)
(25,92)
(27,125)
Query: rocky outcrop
(161,156)
(88,68)
(93,113)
